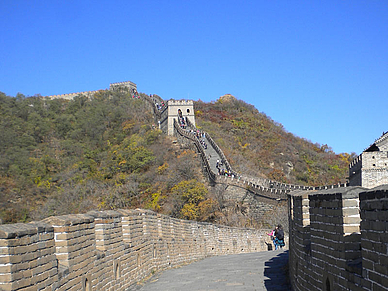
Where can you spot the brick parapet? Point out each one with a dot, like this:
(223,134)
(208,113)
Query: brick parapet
(374,238)
(110,250)
(348,241)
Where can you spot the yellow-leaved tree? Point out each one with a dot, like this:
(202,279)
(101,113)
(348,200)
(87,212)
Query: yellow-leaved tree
(188,196)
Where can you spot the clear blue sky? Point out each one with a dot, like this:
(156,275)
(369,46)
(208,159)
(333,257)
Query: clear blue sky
(320,68)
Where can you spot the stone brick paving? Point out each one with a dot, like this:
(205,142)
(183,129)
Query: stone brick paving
(254,271)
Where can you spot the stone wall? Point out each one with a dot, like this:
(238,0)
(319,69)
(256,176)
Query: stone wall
(89,94)
(355,166)
(374,238)
(338,239)
(71,96)
(110,250)
(374,169)
(369,169)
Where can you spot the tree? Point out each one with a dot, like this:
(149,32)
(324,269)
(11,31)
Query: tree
(187,197)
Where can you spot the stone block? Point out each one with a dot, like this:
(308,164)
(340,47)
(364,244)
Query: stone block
(350,203)
(370,255)
(351,229)
(378,225)
(351,212)
(371,235)
(382,269)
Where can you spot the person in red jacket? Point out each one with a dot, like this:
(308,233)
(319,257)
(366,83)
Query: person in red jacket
(272,235)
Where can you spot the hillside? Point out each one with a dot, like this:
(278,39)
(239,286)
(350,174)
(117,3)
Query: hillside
(258,146)
(59,157)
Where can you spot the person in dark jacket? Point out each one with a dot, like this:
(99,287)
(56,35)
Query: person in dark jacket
(279,237)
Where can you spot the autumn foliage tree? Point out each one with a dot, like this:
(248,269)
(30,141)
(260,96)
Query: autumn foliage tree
(190,200)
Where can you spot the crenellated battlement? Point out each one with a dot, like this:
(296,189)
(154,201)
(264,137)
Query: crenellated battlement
(337,239)
(357,160)
(125,83)
(113,250)
(180,103)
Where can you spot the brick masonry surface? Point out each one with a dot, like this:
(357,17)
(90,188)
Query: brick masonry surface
(110,250)
(339,239)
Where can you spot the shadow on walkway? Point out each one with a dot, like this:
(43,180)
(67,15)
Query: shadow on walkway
(276,273)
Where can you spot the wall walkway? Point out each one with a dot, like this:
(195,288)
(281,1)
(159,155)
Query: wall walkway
(262,271)
(110,250)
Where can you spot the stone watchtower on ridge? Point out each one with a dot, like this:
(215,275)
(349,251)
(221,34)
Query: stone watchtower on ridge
(370,168)
(120,85)
(176,109)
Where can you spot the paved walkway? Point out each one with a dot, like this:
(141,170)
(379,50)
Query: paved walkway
(210,151)
(254,271)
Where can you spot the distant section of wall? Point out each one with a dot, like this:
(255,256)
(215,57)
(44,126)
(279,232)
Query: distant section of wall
(71,96)
(128,85)
(110,250)
(338,239)
(164,120)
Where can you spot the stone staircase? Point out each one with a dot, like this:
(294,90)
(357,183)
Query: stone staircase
(212,156)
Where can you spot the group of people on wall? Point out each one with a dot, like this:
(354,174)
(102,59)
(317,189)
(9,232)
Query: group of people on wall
(222,171)
(135,94)
(158,106)
(200,135)
(181,120)
(277,236)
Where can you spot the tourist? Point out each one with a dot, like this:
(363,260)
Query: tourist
(272,235)
(279,237)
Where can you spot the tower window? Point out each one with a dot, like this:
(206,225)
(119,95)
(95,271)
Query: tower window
(188,110)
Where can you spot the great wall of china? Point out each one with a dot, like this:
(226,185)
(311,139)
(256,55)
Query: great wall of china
(110,250)
(338,234)
(339,239)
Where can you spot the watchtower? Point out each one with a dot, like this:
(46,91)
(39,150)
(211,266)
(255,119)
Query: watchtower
(370,168)
(121,85)
(179,109)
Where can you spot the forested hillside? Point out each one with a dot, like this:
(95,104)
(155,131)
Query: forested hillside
(59,157)
(258,146)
